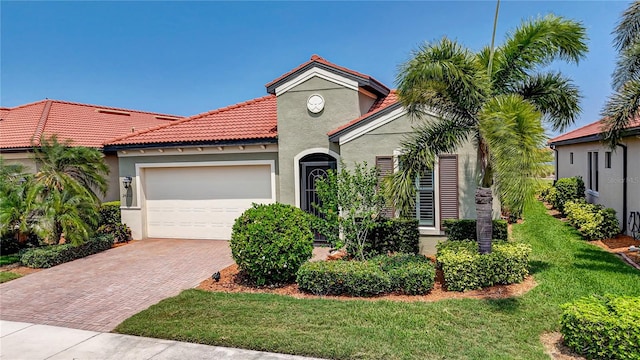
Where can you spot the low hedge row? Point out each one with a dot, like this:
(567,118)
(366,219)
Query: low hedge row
(593,221)
(397,235)
(46,257)
(404,273)
(465,269)
(603,327)
(465,229)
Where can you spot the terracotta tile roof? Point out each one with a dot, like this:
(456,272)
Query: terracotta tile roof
(318,59)
(253,119)
(85,125)
(594,128)
(378,106)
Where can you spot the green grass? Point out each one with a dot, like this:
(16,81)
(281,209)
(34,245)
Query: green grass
(9,259)
(564,266)
(6,276)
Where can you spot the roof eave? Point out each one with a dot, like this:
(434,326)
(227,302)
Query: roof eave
(370,83)
(156,145)
(592,138)
(335,137)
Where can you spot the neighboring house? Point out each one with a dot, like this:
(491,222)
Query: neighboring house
(85,125)
(193,177)
(611,177)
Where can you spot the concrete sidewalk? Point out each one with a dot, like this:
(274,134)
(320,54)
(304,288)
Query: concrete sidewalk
(25,341)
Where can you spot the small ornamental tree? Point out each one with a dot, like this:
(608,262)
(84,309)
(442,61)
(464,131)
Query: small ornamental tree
(350,205)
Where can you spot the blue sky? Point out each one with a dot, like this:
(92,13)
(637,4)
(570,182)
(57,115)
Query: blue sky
(189,57)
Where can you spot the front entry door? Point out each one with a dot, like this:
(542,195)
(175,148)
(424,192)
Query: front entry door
(312,171)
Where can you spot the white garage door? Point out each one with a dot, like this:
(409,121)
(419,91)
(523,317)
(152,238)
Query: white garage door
(202,202)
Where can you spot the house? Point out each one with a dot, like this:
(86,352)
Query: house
(611,176)
(191,178)
(85,125)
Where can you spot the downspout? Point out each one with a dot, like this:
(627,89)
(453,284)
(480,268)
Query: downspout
(555,151)
(624,187)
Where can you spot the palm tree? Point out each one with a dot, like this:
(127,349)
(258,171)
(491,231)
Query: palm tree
(14,212)
(62,198)
(624,105)
(61,166)
(498,99)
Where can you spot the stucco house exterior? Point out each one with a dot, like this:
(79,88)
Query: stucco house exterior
(85,125)
(191,178)
(611,176)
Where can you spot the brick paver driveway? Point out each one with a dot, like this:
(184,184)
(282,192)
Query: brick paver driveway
(100,291)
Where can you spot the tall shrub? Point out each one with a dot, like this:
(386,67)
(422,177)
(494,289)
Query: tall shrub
(350,205)
(568,189)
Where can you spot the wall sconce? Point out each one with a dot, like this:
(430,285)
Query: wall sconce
(126,182)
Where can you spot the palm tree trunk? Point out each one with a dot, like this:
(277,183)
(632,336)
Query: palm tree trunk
(484,225)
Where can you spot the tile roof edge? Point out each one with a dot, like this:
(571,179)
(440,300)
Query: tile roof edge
(90,105)
(24,105)
(190,118)
(575,130)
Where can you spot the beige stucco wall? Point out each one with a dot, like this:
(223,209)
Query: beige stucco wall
(300,130)
(610,189)
(22,158)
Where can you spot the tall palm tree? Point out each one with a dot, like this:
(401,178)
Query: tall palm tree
(500,107)
(60,166)
(624,105)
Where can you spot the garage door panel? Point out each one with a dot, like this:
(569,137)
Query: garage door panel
(202,203)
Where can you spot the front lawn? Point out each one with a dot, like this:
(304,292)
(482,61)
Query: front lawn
(6,276)
(564,266)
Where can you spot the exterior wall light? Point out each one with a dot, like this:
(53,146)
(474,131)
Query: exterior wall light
(126,182)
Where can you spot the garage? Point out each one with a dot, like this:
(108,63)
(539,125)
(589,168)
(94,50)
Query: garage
(202,202)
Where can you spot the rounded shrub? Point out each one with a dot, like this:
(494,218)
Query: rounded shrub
(409,274)
(355,278)
(270,243)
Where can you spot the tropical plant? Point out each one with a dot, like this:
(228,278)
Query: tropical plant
(14,212)
(624,105)
(61,166)
(350,206)
(496,98)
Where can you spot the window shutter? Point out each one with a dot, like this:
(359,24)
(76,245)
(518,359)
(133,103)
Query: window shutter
(385,167)
(448,186)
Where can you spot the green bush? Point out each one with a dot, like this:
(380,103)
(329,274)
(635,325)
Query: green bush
(111,222)
(568,189)
(603,327)
(46,257)
(592,221)
(404,273)
(393,235)
(270,242)
(551,196)
(355,278)
(465,269)
(465,229)
(409,273)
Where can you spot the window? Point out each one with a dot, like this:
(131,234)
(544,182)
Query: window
(425,204)
(607,160)
(571,158)
(592,168)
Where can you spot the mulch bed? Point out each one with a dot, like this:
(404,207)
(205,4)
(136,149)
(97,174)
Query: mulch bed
(554,347)
(620,245)
(230,282)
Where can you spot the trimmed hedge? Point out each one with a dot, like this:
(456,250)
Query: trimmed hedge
(46,257)
(603,327)
(111,222)
(270,242)
(409,273)
(465,269)
(405,273)
(465,229)
(355,278)
(593,221)
(567,189)
(393,235)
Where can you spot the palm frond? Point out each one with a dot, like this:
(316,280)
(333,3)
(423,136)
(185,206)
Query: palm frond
(536,43)
(628,29)
(444,77)
(627,66)
(621,108)
(512,129)
(554,95)
(419,151)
